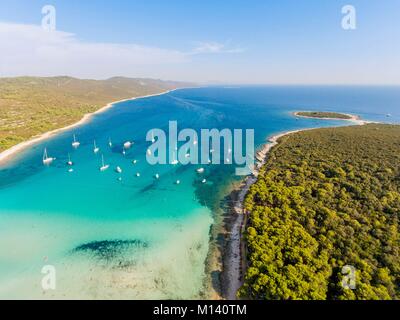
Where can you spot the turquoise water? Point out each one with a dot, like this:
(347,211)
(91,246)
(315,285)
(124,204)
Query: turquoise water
(141,238)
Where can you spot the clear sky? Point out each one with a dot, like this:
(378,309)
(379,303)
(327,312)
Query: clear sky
(235,41)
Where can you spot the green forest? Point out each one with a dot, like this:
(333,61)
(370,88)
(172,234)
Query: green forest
(30,106)
(326,198)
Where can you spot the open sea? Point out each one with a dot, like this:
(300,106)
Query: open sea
(115,235)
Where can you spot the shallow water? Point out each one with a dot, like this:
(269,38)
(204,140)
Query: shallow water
(141,238)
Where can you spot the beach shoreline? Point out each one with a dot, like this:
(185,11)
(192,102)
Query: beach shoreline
(234,257)
(8,154)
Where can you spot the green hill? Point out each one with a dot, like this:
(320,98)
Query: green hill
(326,198)
(31,106)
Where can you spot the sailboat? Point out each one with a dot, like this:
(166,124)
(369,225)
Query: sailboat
(118,169)
(69,162)
(157,176)
(110,143)
(174,160)
(75,143)
(200,170)
(127,145)
(96,149)
(103,167)
(204,181)
(46,159)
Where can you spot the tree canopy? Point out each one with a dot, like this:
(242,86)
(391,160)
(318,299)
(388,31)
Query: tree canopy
(326,198)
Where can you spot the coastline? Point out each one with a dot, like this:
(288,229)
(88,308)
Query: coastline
(8,154)
(234,257)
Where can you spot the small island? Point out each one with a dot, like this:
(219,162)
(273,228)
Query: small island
(325,115)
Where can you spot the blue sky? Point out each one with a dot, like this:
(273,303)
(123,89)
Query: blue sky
(234,41)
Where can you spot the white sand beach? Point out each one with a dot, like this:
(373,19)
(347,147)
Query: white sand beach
(9,153)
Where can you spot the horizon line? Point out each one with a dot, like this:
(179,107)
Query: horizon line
(214,83)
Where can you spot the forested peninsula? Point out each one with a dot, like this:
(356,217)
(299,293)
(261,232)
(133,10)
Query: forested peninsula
(324,199)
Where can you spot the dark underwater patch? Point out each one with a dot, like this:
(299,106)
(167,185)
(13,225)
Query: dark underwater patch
(111,250)
(149,187)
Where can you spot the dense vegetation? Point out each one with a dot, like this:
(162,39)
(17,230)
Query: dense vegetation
(323,115)
(326,198)
(30,106)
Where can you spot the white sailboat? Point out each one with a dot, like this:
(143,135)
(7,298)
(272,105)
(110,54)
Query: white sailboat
(103,167)
(69,162)
(204,181)
(75,143)
(46,159)
(174,160)
(96,149)
(178,182)
(110,143)
(138,174)
(200,170)
(157,176)
(118,169)
(127,145)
